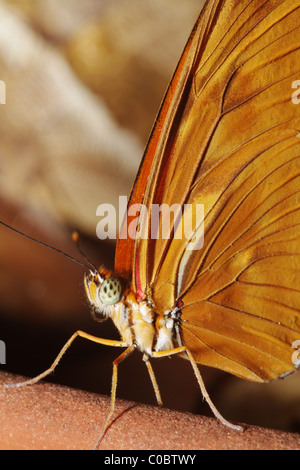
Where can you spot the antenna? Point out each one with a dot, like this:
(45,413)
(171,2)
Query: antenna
(52,247)
(75,238)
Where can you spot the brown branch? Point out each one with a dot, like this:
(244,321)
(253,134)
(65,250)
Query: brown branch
(47,416)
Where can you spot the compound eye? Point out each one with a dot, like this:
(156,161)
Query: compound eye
(110,291)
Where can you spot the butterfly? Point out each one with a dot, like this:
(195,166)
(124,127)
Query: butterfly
(223,291)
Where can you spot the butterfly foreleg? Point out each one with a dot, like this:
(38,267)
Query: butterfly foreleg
(116,362)
(44,374)
(202,387)
(153,379)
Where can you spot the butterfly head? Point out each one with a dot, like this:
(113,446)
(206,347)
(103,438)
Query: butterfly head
(103,291)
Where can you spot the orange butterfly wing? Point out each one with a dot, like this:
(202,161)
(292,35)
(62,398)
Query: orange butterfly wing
(127,246)
(227,137)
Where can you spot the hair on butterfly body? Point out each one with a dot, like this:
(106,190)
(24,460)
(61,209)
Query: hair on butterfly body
(137,321)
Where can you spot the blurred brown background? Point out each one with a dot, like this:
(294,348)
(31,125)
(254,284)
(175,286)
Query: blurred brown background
(84,81)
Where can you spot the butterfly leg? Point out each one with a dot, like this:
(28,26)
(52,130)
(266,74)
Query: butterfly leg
(153,379)
(95,339)
(116,362)
(204,392)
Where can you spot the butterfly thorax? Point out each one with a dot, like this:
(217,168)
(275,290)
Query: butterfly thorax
(137,321)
